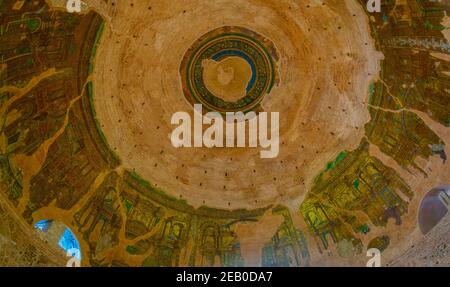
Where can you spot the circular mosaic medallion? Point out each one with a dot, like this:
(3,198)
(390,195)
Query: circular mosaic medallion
(229,69)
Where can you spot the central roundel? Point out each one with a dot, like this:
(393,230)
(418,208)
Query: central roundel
(229,69)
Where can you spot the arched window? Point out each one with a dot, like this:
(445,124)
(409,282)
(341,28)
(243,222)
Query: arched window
(434,206)
(60,234)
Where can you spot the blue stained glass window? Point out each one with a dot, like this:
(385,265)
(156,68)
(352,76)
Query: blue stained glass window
(67,241)
(43,225)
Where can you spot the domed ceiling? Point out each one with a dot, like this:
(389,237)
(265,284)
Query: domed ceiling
(86,101)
